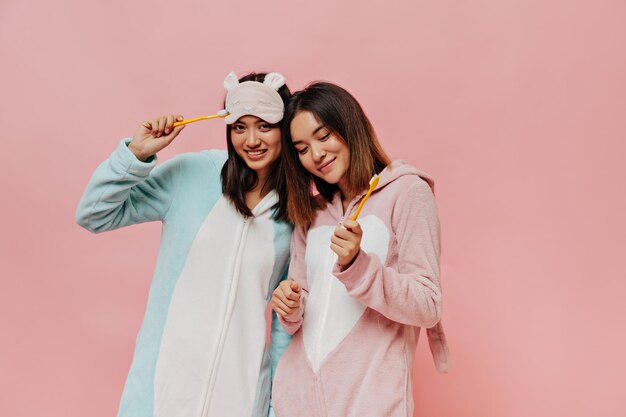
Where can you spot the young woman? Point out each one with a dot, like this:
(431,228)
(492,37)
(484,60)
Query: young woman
(224,248)
(360,290)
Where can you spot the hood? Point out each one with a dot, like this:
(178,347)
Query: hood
(398,169)
(266,204)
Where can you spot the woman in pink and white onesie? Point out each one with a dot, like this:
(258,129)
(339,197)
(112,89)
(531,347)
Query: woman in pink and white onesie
(359,291)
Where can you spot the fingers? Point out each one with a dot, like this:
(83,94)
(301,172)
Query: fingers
(162,125)
(288,293)
(338,240)
(280,307)
(154,135)
(346,241)
(169,121)
(175,131)
(286,297)
(344,235)
(291,290)
(339,250)
(278,310)
(353,226)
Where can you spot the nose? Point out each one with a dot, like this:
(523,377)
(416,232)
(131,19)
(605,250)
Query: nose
(317,152)
(252,140)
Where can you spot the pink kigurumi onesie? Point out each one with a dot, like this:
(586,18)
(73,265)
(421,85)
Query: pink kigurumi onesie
(356,331)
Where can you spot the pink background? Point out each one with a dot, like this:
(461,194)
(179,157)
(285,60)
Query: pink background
(517,107)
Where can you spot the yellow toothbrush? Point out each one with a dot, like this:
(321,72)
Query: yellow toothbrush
(373,184)
(219,114)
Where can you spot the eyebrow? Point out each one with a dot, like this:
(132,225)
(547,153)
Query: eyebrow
(317,129)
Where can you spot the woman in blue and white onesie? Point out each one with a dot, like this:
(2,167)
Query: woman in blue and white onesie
(201,350)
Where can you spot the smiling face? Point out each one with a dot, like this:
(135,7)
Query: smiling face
(321,152)
(257,142)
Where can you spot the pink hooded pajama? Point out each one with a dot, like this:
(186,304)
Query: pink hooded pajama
(356,330)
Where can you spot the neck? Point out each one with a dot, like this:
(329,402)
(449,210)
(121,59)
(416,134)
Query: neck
(343,188)
(260,187)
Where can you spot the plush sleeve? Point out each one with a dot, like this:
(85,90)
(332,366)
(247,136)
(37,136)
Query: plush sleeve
(409,293)
(124,190)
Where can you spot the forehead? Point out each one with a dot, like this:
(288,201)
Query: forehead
(304,125)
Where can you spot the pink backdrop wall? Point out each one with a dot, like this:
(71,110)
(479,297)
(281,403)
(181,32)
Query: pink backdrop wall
(517,107)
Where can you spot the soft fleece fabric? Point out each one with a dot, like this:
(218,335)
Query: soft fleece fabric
(201,348)
(356,331)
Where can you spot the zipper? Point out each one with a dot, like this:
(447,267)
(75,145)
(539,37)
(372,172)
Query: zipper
(327,285)
(232,292)
(326,289)
(330,260)
(319,392)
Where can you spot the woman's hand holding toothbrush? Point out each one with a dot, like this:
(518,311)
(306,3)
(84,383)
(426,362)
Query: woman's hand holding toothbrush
(346,242)
(153,135)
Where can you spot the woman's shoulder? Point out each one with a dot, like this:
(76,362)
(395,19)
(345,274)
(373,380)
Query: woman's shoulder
(202,160)
(217,156)
(404,177)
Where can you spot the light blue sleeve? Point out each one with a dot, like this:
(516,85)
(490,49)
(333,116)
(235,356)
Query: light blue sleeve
(279,340)
(124,190)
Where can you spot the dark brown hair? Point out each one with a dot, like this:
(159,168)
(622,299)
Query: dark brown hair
(338,111)
(238,178)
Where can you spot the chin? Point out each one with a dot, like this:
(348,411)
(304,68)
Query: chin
(331,179)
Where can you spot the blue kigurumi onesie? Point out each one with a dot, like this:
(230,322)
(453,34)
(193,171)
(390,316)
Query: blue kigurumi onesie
(201,348)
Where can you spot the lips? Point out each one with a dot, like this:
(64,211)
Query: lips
(326,166)
(256,152)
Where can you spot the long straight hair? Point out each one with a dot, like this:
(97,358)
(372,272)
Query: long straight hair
(237,178)
(338,111)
